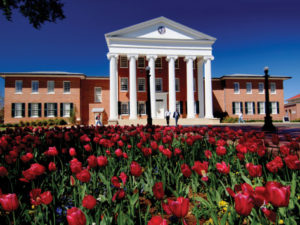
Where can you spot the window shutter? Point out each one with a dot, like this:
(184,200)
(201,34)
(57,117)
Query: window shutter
(45,110)
(270,107)
(186,107)
(253,103)
(40,109)
(197,107)
(29,109)
(241,107)
(181,107)
(277,103)
(246,107)
(61,109)
(12,109)
(128,107)
(258,108)
(233,108)
(55,109)
(119,108)
(23,109)
(71,106)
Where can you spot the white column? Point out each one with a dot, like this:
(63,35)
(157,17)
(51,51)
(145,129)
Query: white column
(208,87)
(190,86)
(113,85)
(200,87)
(151,64)
(172,89)
(132,86)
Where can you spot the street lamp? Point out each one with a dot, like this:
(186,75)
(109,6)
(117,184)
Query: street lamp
(268,126)
(148,104)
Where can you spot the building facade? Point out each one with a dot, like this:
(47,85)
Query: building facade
(179,59)
(292,108)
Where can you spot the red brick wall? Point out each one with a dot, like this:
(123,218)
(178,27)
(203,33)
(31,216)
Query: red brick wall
(293,111)
(88,100)
(42,97)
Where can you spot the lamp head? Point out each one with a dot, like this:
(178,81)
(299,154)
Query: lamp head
(148,68)
(266,69)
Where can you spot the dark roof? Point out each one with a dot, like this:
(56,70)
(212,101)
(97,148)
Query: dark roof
(259,76)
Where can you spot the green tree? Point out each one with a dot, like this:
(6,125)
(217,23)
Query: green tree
(1,109)
(37,11)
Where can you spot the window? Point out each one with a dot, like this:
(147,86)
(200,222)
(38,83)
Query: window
(123,62)
(66,109)
(236,87)
(18,110)
(273,87)
(124,84)
(98,94)
(50,109)
(249,88)
(176,64)
(158,84)
(34,86)
(141,84)
(19,86)
(67,87)
(250,108)
(34,109)
(124,108)
(261,88)
(194,84)
(261,107)
(50,86)
(158,63)
(177,85)
(178,107)
(141,108)
(141,62)
(237,107)
(274,109)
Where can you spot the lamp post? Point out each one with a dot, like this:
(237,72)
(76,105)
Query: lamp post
(148,104)
(268,126)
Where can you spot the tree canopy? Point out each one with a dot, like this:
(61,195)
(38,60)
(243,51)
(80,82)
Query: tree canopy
(37,11)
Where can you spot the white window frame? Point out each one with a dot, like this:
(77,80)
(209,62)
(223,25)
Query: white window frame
(34,110)
(65,92)
(16,87)
(64,110)
(251,107)
(273,108)
(238,87)
(274,86)
(263,88)
(178,106)
(249,85)
(124,103)
(48,109)
(97,96)
(140,103)
(239,108)
(144,85)
(124,78)
(161,84)
(156,62)
(18,110)
(177,84)
(121,61)
(48,85)
(262,110)
(194,84)
(32,91)
(138,64)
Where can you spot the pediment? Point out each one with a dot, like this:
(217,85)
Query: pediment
(159,28)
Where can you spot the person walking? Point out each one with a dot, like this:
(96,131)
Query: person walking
(241,120)
(176,115)
(98,122)
(167,116)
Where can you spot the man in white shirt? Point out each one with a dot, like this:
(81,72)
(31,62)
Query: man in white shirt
(167,115)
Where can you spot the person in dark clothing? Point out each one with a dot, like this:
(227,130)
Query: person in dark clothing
(176,115)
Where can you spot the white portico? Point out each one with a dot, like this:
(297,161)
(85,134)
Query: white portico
(162,37)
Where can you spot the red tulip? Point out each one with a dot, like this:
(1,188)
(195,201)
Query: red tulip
(9,202)
(75,165)
(254,171)
(275,164)
(84,176)
(157,220)
(207,154)
(37,169)
(154,145)
(271,215)
(75,217)
(285,150)
(135,169)
(123,177)
(278,194)
(158,190)
(186,171)
(52,151)
(72,152)
(72,181)
(221,150)
(87,147)
(125,156)
(241,148)
(89,202)
(292,162)
(3,171)
(92,161)
(200,168)
(46,197)
(180,207)
(243,204)
(120,194)
(223,168)
(35,196)
(27,157)
(119,153)
(115,182)
(52,166)
(102,161)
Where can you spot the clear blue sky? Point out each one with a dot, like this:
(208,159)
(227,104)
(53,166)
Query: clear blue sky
(251,34)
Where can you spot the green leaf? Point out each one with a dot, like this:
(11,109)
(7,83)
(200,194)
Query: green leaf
(246,179)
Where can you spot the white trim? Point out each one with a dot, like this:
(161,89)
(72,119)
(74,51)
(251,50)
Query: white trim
(141,78)
(273,93)
(64,87)
(37,87)
(263,89)
(121,84)
(52,92)
(96,95)
(238,92)
(250,92)
(159,78)
(21,92)
(121,56)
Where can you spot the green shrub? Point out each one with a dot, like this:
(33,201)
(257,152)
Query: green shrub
(8,125)
(27,123)
(39,123)
(72,119)
(21,123)
(296,120)
(33,123)
(44,122)
(62,122)
(15,125)
(51,122)
(229,119)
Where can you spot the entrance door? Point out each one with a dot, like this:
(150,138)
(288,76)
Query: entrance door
(160,108)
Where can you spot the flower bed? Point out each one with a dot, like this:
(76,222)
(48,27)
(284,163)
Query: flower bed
(147,175)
